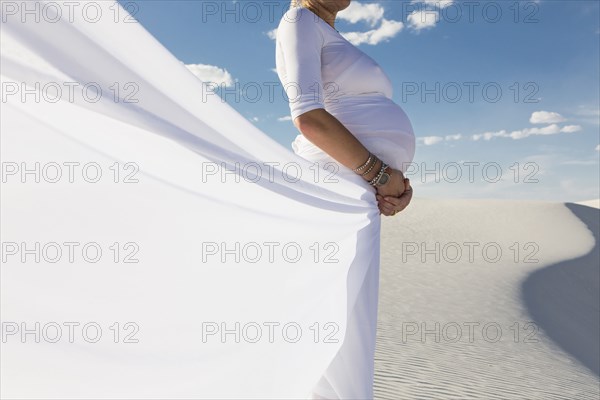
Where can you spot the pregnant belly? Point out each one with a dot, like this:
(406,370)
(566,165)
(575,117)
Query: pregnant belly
(377,122)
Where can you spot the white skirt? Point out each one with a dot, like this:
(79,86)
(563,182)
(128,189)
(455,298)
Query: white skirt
(350,374)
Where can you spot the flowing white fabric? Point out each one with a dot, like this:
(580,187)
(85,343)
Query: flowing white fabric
(167,276)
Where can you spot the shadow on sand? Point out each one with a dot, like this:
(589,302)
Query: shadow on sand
(564,298)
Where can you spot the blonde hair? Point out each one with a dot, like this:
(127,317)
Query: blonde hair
(296,3)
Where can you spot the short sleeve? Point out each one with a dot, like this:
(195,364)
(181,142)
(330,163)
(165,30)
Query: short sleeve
(299,44)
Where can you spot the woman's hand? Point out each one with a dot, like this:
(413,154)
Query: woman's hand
(395,186)
(390,204)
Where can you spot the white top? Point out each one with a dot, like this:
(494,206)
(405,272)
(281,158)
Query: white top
(319,68)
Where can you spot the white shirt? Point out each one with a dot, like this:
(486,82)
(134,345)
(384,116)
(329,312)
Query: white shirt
(319,68)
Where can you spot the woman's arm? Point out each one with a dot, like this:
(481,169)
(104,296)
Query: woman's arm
(299,42)
(330,135)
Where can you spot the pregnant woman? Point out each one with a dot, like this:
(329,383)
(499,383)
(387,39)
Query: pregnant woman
(340,101)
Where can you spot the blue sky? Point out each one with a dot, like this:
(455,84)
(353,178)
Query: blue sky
(525,124)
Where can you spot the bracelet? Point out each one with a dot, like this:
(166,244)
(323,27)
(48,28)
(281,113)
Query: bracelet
(365,164)
(373,181)
(371,167)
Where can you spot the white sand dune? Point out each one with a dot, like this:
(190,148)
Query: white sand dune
(590,203)
(534,324)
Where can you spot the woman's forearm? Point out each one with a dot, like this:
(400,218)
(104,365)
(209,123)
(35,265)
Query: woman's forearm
(330,135)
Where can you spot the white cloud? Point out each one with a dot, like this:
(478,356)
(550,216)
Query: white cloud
(454,137)
(546,117)
(570,128)
(523,133)
(387,30)
(488,135)
(551,129)
(426,16)
(371,14)
(430,140)
(211,73)
(272,34)
(286,118)
(422,19)
(598,147)
(435,3)
(355,12)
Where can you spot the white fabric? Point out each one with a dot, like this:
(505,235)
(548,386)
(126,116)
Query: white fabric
(173,134)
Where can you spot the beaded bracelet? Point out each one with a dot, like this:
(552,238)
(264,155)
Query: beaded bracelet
(373,181)
(375,159)
(365,164)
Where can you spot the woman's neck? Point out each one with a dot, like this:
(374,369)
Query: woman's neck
(322,12)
